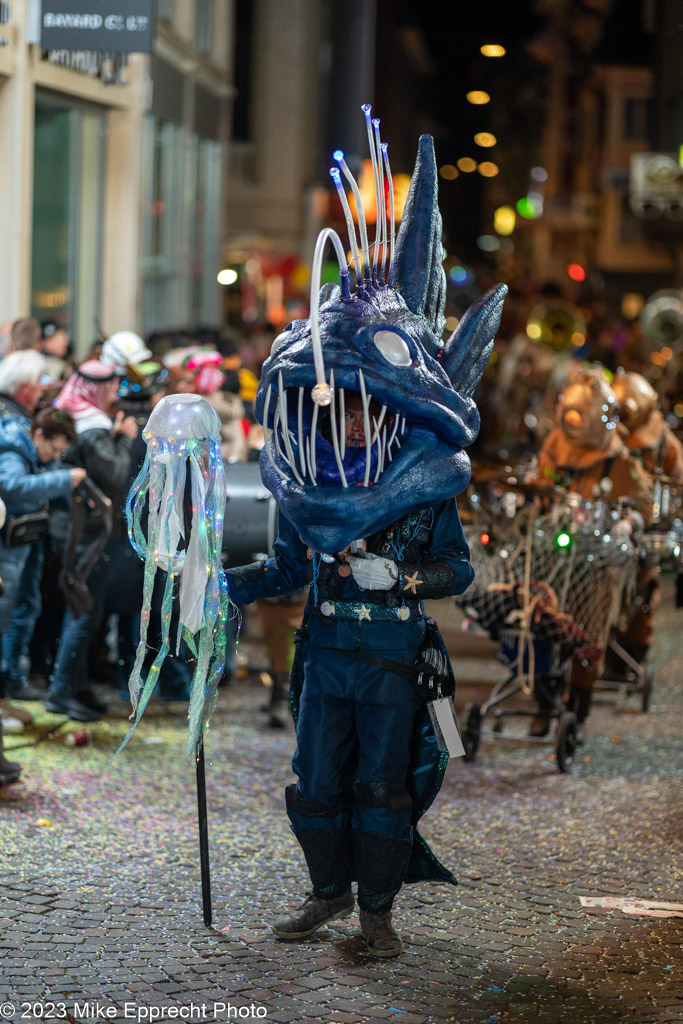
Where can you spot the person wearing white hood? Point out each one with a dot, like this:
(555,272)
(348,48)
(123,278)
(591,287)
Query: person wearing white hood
(103,447)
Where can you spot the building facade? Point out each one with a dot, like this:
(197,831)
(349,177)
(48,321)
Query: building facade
(112,174)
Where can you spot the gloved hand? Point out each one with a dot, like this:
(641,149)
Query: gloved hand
(373,572)
(432,676)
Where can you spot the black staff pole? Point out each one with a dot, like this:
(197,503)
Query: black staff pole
(201,774)
(203,836)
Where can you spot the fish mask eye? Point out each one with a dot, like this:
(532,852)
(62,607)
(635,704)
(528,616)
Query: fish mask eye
(393,348)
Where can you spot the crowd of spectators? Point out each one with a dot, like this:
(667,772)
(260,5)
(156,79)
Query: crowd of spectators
(70,447)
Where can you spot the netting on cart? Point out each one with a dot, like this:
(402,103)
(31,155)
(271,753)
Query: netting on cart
(561,576)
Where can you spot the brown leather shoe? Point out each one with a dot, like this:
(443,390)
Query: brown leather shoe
(380,937)
(311,915)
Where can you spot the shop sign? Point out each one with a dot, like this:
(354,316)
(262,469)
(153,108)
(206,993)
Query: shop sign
(110,26)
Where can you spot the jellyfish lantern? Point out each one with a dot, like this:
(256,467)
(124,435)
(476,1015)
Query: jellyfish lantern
(180,493)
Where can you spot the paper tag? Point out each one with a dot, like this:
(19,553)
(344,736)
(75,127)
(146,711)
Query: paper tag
(446,727)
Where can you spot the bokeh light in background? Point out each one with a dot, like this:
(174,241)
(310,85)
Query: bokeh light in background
(227,276)
(528,208)
(632,304)
(451,323)
(478,97)
(467,164)
(460,275)
(492,50)
(488,243)
(504,220)
(539,174)
(449,172)
(576,272)
(485,139)
(488,169)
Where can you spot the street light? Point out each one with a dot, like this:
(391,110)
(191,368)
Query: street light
(478,97)
(467,164)
(485,139)
(493,50)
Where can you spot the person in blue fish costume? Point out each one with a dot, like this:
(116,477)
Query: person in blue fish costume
(365,413)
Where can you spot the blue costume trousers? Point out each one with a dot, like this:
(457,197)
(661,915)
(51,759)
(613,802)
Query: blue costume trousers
(351,811)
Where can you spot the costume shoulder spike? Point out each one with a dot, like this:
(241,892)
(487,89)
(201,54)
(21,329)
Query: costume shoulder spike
(374,342)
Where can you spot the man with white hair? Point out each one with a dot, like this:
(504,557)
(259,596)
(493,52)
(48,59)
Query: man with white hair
(20,387)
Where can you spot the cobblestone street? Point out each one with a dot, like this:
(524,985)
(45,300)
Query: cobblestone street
(100,900)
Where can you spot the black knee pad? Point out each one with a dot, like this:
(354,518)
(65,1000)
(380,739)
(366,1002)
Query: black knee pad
(381,794)
(309,808)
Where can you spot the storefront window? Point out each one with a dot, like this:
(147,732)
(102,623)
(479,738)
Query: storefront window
(67,204)
(181,227)
(207,233)
(203,25)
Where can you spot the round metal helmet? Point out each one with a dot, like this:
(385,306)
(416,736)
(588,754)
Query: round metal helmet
(636,397)
(179,417)
(586,411)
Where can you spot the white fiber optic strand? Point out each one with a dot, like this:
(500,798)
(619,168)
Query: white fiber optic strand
(367,110)
(342,424)
(350,226)
(383,204)
(366,426)
(314,427)
(335,439)
(310,460)
(365,245)
(392,211)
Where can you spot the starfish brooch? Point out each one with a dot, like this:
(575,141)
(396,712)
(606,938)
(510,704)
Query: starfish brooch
(412,582)
(363,613)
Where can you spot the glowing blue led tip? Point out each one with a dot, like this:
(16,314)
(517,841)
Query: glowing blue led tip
(384,146)
(335,174)
(375,122)
(338,155)
(366,108)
